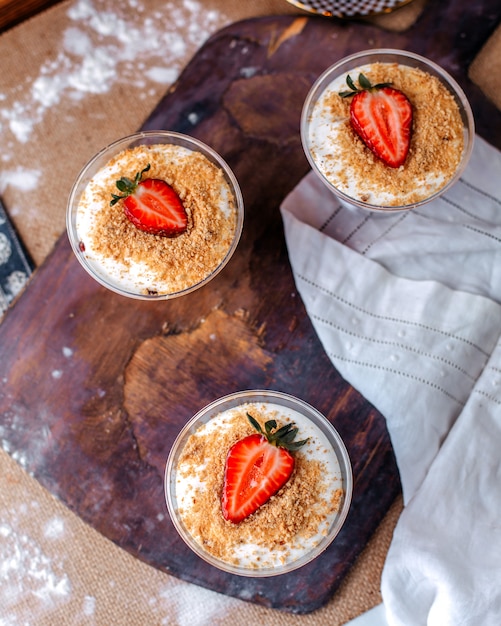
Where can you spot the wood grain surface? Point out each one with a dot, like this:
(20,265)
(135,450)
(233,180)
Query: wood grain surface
(96,387)
(13,12)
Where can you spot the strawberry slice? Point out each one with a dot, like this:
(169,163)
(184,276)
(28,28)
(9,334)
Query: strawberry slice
(257,466)
(382,118)
(152,205)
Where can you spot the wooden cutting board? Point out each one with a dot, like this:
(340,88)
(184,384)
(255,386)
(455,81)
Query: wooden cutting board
(96,387)
(14,11)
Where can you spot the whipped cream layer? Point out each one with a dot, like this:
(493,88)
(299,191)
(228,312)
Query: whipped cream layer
(436,143)
(141,263)
(291,524)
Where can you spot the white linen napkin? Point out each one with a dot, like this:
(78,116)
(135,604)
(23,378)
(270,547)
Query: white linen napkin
(407,307)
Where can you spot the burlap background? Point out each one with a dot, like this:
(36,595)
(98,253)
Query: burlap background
(54,569)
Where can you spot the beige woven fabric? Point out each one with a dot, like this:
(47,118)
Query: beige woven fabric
(486,68)
(58,106)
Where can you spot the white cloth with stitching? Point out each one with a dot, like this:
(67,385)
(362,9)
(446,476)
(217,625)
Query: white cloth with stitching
(407,307)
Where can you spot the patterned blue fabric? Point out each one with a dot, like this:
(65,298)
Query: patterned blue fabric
(15,265)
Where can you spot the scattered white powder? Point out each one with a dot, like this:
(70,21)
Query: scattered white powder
(67,352)
(248,72)
(19,456)
(19,177)
(24,564)
(164,75)
(54,529)
(196,606)
(103,46)
(38,579)
(89,605)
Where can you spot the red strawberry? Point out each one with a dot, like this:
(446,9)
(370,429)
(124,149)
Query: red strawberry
(152,205)
(256,468)
(382,117)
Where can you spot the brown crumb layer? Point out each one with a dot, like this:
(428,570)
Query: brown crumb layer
(294,514)
(436,142)
(175,263)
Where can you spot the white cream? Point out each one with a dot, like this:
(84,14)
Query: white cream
(318,447)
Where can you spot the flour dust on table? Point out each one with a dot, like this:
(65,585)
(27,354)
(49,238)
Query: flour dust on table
(27,573)
(129,44)
(42,578)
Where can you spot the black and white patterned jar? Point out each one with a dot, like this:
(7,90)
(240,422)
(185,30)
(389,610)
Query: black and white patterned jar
(349,8)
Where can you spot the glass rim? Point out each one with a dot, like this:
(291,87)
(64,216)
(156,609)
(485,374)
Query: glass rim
(123,142)
(233,400)
(450,83)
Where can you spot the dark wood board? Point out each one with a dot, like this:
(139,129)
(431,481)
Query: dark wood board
(13,12)
(95,387)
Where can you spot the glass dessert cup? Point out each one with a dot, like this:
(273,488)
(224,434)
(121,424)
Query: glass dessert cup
(175,141)
(351,65)
(306,417)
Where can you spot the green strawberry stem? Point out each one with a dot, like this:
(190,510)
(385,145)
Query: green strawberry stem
(283,437)
(365,85)
(128,186)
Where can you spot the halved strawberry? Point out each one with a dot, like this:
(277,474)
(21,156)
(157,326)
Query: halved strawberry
(257,467)
(382,117)
(152,205)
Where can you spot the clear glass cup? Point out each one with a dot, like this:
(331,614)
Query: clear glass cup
(351,65)
(287,403)
(99,161)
